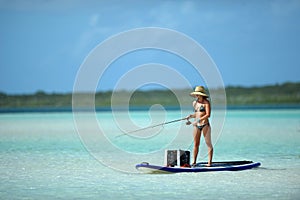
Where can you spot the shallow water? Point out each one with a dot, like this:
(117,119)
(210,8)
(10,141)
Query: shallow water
(43,157)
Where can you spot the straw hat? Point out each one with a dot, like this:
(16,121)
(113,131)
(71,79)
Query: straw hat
(199,90)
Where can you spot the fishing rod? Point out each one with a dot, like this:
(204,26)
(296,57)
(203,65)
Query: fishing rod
(148,127)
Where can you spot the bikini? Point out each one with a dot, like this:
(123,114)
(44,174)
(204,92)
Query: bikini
(201,109)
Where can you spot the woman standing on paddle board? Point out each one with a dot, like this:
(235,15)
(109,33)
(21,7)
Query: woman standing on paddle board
(201,123)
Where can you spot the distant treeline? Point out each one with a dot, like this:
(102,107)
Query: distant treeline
(287,93)
(280,94)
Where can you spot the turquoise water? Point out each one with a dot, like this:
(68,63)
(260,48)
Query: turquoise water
(43,157)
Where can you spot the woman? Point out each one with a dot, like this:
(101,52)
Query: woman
(201,123)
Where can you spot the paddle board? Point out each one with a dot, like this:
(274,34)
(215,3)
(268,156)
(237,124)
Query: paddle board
(200,167)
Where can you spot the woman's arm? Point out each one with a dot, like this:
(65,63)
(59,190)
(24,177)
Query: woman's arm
(192,115)
(188,117)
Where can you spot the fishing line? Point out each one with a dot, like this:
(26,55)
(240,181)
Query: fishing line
(153,126)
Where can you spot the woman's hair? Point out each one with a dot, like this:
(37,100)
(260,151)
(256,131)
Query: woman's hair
(206,98)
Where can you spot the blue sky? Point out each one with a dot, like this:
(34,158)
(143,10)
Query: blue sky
(43,43)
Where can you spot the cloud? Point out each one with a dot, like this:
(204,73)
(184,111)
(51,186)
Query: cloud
(94,19)
(114,18)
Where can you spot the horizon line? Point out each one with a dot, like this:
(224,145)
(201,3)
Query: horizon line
(43,92)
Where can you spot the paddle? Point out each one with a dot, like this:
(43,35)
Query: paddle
(176,120)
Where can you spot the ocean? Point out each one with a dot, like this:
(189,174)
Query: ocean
(52,155)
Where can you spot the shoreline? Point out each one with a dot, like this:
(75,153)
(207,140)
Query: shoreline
(143,108)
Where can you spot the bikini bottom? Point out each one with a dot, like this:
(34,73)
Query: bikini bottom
(202,126)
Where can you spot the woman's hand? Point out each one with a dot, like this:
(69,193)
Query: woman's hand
(188,121)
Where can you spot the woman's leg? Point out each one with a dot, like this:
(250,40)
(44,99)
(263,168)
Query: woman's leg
(207,136)
(196,134)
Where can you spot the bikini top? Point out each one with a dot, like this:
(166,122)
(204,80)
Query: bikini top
(200,109)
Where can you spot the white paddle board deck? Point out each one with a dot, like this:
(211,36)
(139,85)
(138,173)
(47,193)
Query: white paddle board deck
(200,167)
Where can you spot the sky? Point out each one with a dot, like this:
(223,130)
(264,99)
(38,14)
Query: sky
(43,43)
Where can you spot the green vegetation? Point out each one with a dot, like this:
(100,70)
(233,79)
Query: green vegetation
(287,93)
